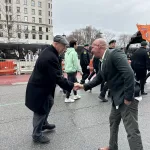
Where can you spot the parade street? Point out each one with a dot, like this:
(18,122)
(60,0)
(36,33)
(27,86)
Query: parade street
(83,125)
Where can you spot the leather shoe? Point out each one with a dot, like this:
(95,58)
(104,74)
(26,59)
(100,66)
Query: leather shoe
(42,139)
(143,93)
(102,98)
(48,127)
(106,148)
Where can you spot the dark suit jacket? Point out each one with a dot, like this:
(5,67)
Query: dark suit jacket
(42,83)
(118,74)
(140,60)
(85,58)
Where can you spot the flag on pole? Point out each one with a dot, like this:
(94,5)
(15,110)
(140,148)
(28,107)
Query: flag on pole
(145,31)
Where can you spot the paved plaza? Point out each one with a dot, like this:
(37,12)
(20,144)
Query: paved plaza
(82,125)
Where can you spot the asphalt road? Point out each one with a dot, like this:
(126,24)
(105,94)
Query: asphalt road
(82,125)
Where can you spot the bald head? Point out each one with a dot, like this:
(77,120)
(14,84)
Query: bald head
(98,47)
(102,42)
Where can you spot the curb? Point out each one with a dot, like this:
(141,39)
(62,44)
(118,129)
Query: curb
(19,83)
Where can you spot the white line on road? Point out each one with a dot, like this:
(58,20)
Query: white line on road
(11,104)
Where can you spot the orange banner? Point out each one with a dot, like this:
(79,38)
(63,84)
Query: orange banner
(145,31)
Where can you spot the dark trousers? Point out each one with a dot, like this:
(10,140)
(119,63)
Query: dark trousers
(71,77)
(40,120)
(129,115)
(103,90)
(141,76)
(86,73)
(142,84)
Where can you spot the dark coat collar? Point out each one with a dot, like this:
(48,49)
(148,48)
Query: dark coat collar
(52,48)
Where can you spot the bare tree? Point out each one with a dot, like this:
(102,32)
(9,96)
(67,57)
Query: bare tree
(85,35)
(123,40)
(108,36)
(11,24)
(76,35)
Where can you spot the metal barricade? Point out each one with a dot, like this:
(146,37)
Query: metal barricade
(25,66)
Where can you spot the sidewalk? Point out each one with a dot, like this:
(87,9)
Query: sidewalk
(14,79)
(18,79)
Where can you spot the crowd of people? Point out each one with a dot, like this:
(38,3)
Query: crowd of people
(112,71)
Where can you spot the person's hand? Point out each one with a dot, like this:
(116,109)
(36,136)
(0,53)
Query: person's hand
(88,67)
(81,73)
(77,86)
(129,61)
(127,102)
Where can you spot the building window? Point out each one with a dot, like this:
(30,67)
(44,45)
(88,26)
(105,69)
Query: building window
(46,29)
(40,12)
(33,11)
(0,17)
(18,1)
(10,35)
(26,36)
(19,35)
(33,19)
(8,1)
(25,10)
(10,9)
(6,8)
(18,9)
(40,37)
(18,17)
(1,34)
(26,18)
(18,27)
(1,26)
(33,36)
(10,26)
(49,5)
(49,21)
(39,4)
(49,13)
(40,28)
(47,37)
(32,3)
(26,28)
(33,28)
(40,20)
(10,17)
(6,17)
(25,2)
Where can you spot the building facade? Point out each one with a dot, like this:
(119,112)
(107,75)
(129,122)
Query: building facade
(26,21)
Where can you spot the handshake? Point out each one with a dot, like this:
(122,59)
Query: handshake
(78,86)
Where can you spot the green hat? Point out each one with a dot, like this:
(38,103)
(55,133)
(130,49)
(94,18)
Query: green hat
(144,43)
(112,41)
(86,45)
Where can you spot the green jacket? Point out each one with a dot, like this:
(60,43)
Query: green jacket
(71,61)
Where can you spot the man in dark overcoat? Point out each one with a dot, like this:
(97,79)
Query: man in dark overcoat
(41,87)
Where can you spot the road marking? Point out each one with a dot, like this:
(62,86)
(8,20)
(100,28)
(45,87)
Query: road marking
(19,83)
(11,104)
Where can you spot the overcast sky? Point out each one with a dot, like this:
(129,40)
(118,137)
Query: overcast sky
(114,15)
